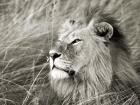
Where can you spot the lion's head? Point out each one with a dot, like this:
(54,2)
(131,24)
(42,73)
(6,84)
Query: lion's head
(88,60)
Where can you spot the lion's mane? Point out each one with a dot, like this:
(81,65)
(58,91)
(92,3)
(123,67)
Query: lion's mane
(109,78)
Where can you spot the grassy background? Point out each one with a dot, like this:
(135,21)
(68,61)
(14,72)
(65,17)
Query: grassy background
(27,30)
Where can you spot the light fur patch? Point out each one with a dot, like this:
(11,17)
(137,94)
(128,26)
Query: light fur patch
(58,74)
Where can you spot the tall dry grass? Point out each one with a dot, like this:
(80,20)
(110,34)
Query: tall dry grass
(27,30)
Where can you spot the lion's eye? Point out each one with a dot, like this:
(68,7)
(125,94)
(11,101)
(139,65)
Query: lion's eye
(76,41)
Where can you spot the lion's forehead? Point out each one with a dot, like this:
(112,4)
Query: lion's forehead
(70,35)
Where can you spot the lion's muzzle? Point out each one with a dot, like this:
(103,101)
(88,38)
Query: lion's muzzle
(60,69)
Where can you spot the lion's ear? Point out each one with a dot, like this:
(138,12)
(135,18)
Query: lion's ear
(102,29)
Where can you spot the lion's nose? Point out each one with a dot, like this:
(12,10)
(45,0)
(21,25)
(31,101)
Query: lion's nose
(54,54)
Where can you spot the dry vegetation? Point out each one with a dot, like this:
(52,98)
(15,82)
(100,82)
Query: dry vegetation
(27,30)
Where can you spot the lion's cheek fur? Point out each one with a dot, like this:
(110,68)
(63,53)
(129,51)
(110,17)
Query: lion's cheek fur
(80,61)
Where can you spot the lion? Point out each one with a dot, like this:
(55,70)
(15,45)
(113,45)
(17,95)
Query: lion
(90,64)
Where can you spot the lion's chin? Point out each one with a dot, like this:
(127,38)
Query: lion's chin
(58,74)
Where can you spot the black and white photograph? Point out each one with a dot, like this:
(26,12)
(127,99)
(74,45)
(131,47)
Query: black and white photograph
(69,52)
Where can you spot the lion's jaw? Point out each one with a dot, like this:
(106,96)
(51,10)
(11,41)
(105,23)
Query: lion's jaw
(58,69)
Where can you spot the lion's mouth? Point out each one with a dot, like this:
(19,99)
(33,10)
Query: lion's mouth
(69,72)
(59,68)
